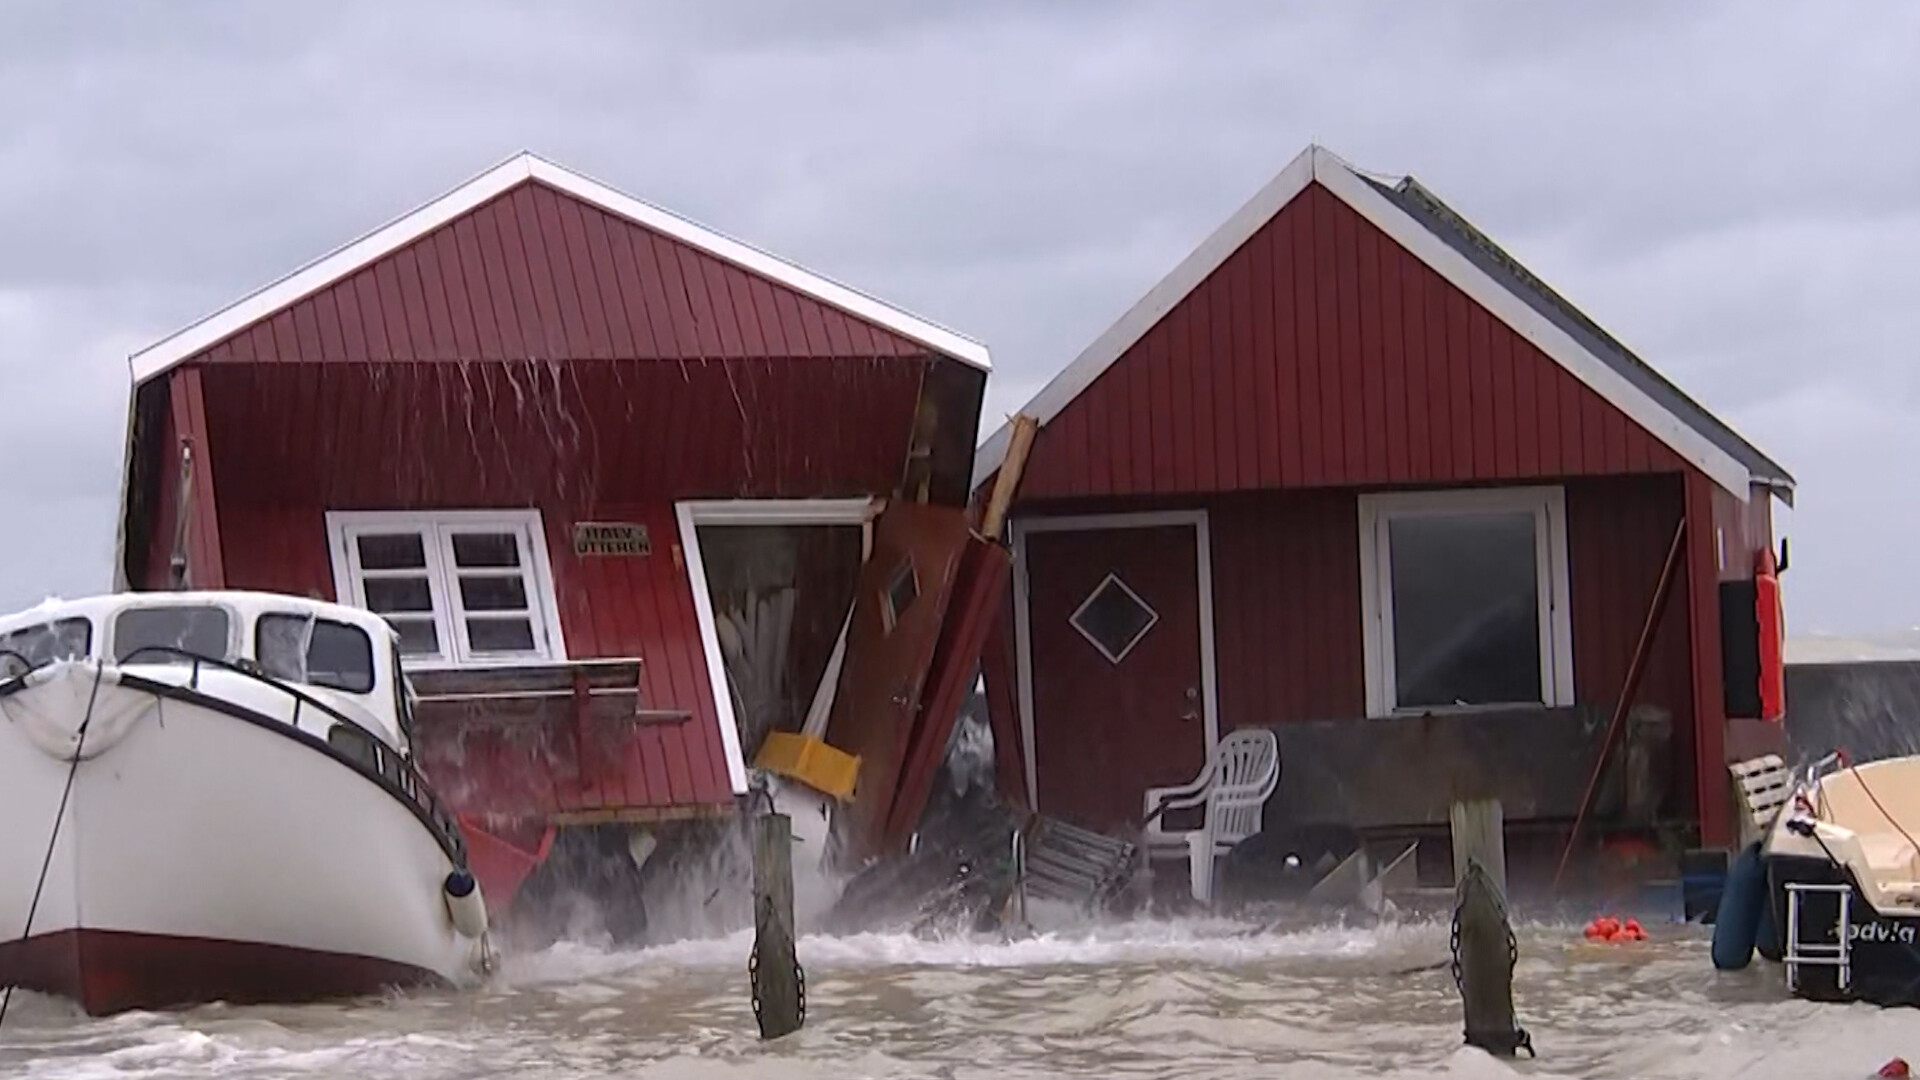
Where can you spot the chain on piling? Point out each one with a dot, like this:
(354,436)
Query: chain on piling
(765,913)
(1519,1037)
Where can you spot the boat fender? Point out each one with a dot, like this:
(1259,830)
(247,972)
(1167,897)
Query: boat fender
(1736,928)
(464,905)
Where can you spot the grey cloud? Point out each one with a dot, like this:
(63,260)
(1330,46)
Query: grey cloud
(1727,189)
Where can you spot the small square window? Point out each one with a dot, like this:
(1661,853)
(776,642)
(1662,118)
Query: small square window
(903,588)
(1114,618)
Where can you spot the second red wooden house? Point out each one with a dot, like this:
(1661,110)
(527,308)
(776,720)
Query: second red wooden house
(1352,473)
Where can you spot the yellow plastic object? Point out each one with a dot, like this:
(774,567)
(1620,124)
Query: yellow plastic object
(809,761)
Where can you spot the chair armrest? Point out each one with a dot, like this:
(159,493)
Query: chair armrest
(1178,797)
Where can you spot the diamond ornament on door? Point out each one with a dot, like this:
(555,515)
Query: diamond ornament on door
(1114,618)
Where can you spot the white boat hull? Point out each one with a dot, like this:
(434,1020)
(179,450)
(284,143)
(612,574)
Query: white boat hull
(206,851)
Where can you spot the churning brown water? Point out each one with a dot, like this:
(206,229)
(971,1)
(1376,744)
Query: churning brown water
(1187,999)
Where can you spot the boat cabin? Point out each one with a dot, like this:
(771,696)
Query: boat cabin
(328,669)
(1352,473)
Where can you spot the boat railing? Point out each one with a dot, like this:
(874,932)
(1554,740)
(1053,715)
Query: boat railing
(393,770)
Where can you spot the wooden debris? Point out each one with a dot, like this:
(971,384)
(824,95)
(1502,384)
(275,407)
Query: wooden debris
(1011,467)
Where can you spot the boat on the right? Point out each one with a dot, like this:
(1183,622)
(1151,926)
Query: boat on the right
(1842,871)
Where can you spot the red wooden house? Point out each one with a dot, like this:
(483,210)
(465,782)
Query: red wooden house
(1351,472)
(538,421)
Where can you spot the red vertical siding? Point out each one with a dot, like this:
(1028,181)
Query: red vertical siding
(1381,373)
(346,435)
(1618,532)
(1287,615)
(278,549)
(538,275)
(644,607)
(1286,607)
(1709,698)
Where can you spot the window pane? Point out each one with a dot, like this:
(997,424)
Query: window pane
(201,631)
(500,635)
(356,744)
(485,549)
(1466,616)
(493,593)
(64,640)
(902,589)
(385,595)
(394,551)
(320,652)
(418,637)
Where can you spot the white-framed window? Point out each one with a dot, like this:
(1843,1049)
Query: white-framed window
(462,587)
(1464,599)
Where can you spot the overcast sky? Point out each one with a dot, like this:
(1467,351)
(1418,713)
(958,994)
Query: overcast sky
(1729,188)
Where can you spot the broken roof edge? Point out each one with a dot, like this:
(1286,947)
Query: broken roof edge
(1359,193)
(1765,470)
(525,166)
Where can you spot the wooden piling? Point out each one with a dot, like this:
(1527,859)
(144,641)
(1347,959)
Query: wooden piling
(779,986)
(1480,834)
(1484,951)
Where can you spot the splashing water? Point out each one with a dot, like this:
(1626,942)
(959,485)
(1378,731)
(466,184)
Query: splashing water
(1184,998)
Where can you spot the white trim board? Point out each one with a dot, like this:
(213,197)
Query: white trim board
(1023,617)
(1317,164)
(696,512)
(521,168)
(1552,584)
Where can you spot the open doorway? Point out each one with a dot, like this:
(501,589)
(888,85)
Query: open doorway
(773,581)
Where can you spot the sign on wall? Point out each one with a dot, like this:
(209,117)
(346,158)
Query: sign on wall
(612,538)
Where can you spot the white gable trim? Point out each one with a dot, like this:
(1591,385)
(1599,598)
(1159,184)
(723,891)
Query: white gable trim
(1318,164)
(1143,316)
(170,351)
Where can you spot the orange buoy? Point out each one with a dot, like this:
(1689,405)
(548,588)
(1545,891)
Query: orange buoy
(1610,929)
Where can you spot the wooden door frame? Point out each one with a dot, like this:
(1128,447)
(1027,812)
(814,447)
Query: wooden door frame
(692,513)
(1023,615)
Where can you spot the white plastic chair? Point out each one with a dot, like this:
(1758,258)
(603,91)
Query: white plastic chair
(1232,790)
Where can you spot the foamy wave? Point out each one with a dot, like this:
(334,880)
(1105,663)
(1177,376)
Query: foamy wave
(1211,942)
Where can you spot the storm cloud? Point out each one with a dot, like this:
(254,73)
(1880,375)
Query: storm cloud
(1729,188)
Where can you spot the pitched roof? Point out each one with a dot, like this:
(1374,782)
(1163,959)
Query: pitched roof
(1444,241)
(521,168)
(1446,223)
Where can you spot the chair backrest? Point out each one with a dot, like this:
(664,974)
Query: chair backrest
(1246,769)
